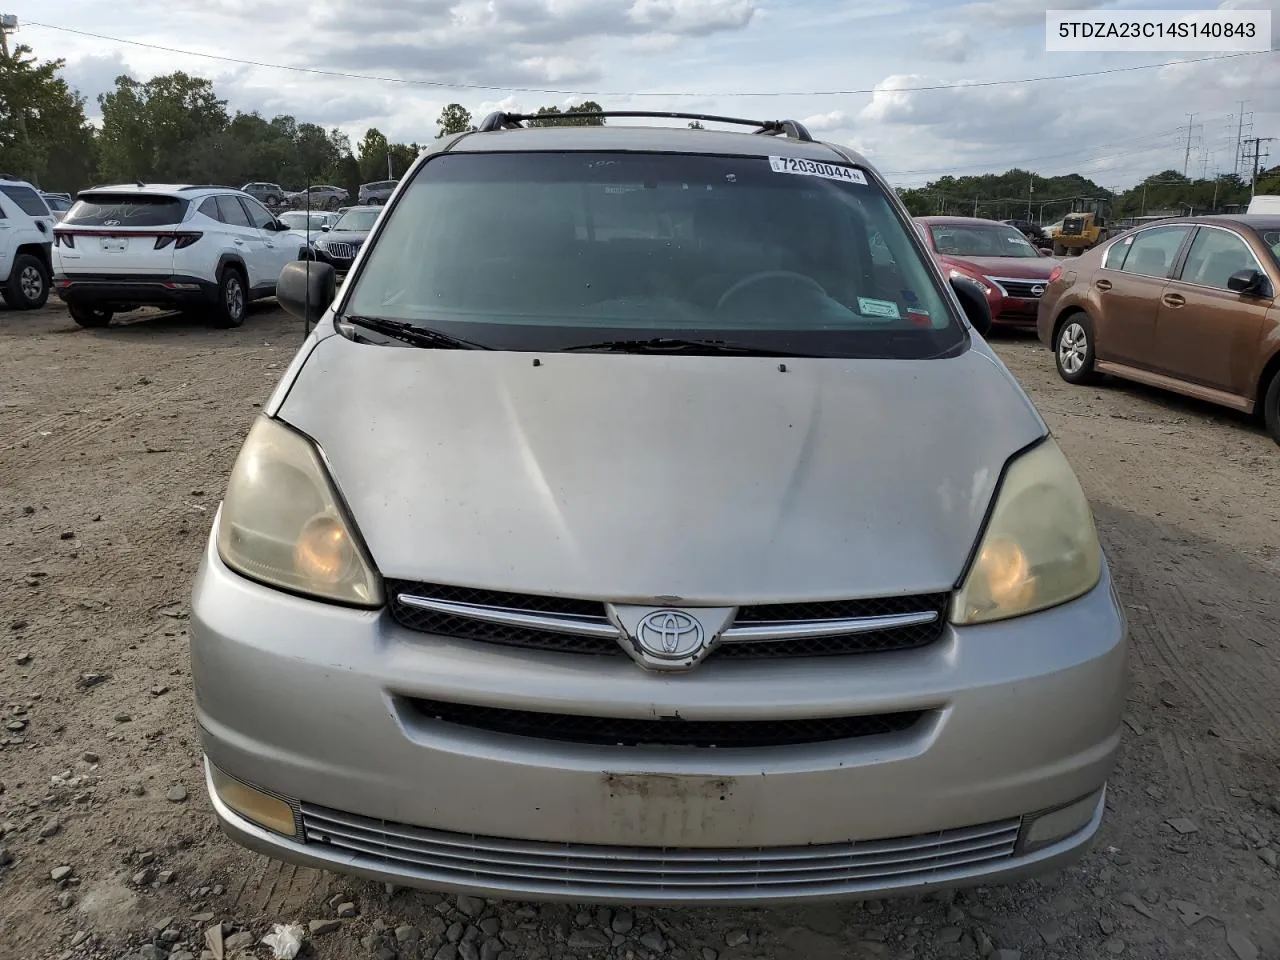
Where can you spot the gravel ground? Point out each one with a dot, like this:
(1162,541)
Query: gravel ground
(114,447)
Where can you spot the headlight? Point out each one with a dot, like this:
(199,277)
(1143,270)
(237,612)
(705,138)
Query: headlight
(281,522)
(1040,547)
(954,274)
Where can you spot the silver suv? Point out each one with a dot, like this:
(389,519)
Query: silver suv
(625,531)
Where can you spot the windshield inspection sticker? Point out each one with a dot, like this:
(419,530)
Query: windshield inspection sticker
(885,309)
(814,168)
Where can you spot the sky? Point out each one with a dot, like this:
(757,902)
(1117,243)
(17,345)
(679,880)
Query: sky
(762,59)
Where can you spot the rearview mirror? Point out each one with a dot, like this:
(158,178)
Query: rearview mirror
(1247,281)
(306,288)
(974,302)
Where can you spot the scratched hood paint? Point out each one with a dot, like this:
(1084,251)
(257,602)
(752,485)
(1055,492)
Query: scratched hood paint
(708,479)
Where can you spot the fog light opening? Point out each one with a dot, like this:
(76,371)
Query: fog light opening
(263,809)
(1047,828)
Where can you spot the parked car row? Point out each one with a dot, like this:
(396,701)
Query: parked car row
(321,196)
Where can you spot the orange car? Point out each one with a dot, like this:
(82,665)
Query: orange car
(1187,304)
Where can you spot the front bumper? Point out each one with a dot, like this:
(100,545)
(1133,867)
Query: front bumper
(112,289)
(1015,312)
(306,700)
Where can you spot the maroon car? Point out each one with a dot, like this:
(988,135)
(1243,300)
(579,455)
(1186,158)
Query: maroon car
(1010,270)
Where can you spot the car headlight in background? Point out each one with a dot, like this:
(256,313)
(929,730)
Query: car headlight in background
(281,522)
(953,274)
(1040,547)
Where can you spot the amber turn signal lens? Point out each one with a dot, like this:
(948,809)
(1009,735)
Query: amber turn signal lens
(262,808)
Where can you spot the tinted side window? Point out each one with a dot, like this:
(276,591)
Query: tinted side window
(210,208)
(258,214)
(28,201)
(1153,251)
(232,212)
(1115,256)
(1214,256)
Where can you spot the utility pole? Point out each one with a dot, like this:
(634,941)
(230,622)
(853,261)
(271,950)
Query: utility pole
(1186,157)
(1031,191)
(1256,156)
(1240,126)
(390,175)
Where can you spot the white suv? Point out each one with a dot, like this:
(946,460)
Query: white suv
(26,235)
(190,247)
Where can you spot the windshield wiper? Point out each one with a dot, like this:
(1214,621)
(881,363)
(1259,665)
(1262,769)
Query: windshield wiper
(411,333)
(677,345)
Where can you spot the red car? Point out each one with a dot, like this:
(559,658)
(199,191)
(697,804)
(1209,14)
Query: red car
(1010,270)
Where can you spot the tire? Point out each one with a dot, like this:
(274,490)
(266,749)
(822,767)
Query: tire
(1059,250)
(88,316)
(1073,349)
(1271,407)
(233,299)
(28,286)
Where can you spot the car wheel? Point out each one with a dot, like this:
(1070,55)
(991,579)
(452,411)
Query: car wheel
(1271,407)
(233,299)
(28,287)
(1073,349)
(88,316)
(1059,250)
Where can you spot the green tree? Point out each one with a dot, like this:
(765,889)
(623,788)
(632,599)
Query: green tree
(554,117)
(696,125)
(454,118)
(43,133)
(372,154)
(167,129)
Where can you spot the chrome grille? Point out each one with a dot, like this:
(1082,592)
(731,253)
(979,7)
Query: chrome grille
(1025,289)
(659,873)
(763,631)
(674,732)
(342,251)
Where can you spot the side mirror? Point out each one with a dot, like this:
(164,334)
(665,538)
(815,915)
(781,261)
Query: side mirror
(324,228)
(279,226)
(1247,281)
(974,302)
(306,288)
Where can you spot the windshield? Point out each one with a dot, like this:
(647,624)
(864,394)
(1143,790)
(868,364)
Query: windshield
(362,220)
(299,221)
(980,240)
(547,250)
(1272,239)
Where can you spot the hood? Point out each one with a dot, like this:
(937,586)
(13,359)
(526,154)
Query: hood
(1037,268)
(346,236)
(715,480)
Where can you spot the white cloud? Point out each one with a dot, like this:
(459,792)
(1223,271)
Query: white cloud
(832,120)
(1021,13)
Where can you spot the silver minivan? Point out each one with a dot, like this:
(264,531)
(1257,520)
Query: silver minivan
(625,531)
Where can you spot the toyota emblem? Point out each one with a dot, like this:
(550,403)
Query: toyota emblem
(669,635)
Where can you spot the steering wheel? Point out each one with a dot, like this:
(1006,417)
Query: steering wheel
(764,276)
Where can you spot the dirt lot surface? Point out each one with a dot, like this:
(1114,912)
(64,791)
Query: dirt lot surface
(114,448)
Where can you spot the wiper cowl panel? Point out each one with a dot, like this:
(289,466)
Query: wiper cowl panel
(671,345)
(410,333)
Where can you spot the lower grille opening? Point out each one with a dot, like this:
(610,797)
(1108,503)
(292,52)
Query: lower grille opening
(628,732)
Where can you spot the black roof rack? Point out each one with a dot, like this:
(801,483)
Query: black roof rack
(514,121)
(209,186)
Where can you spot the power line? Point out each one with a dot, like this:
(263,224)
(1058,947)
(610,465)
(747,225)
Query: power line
(451,85)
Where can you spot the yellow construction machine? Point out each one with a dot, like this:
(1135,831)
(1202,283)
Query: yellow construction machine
(1083,228)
